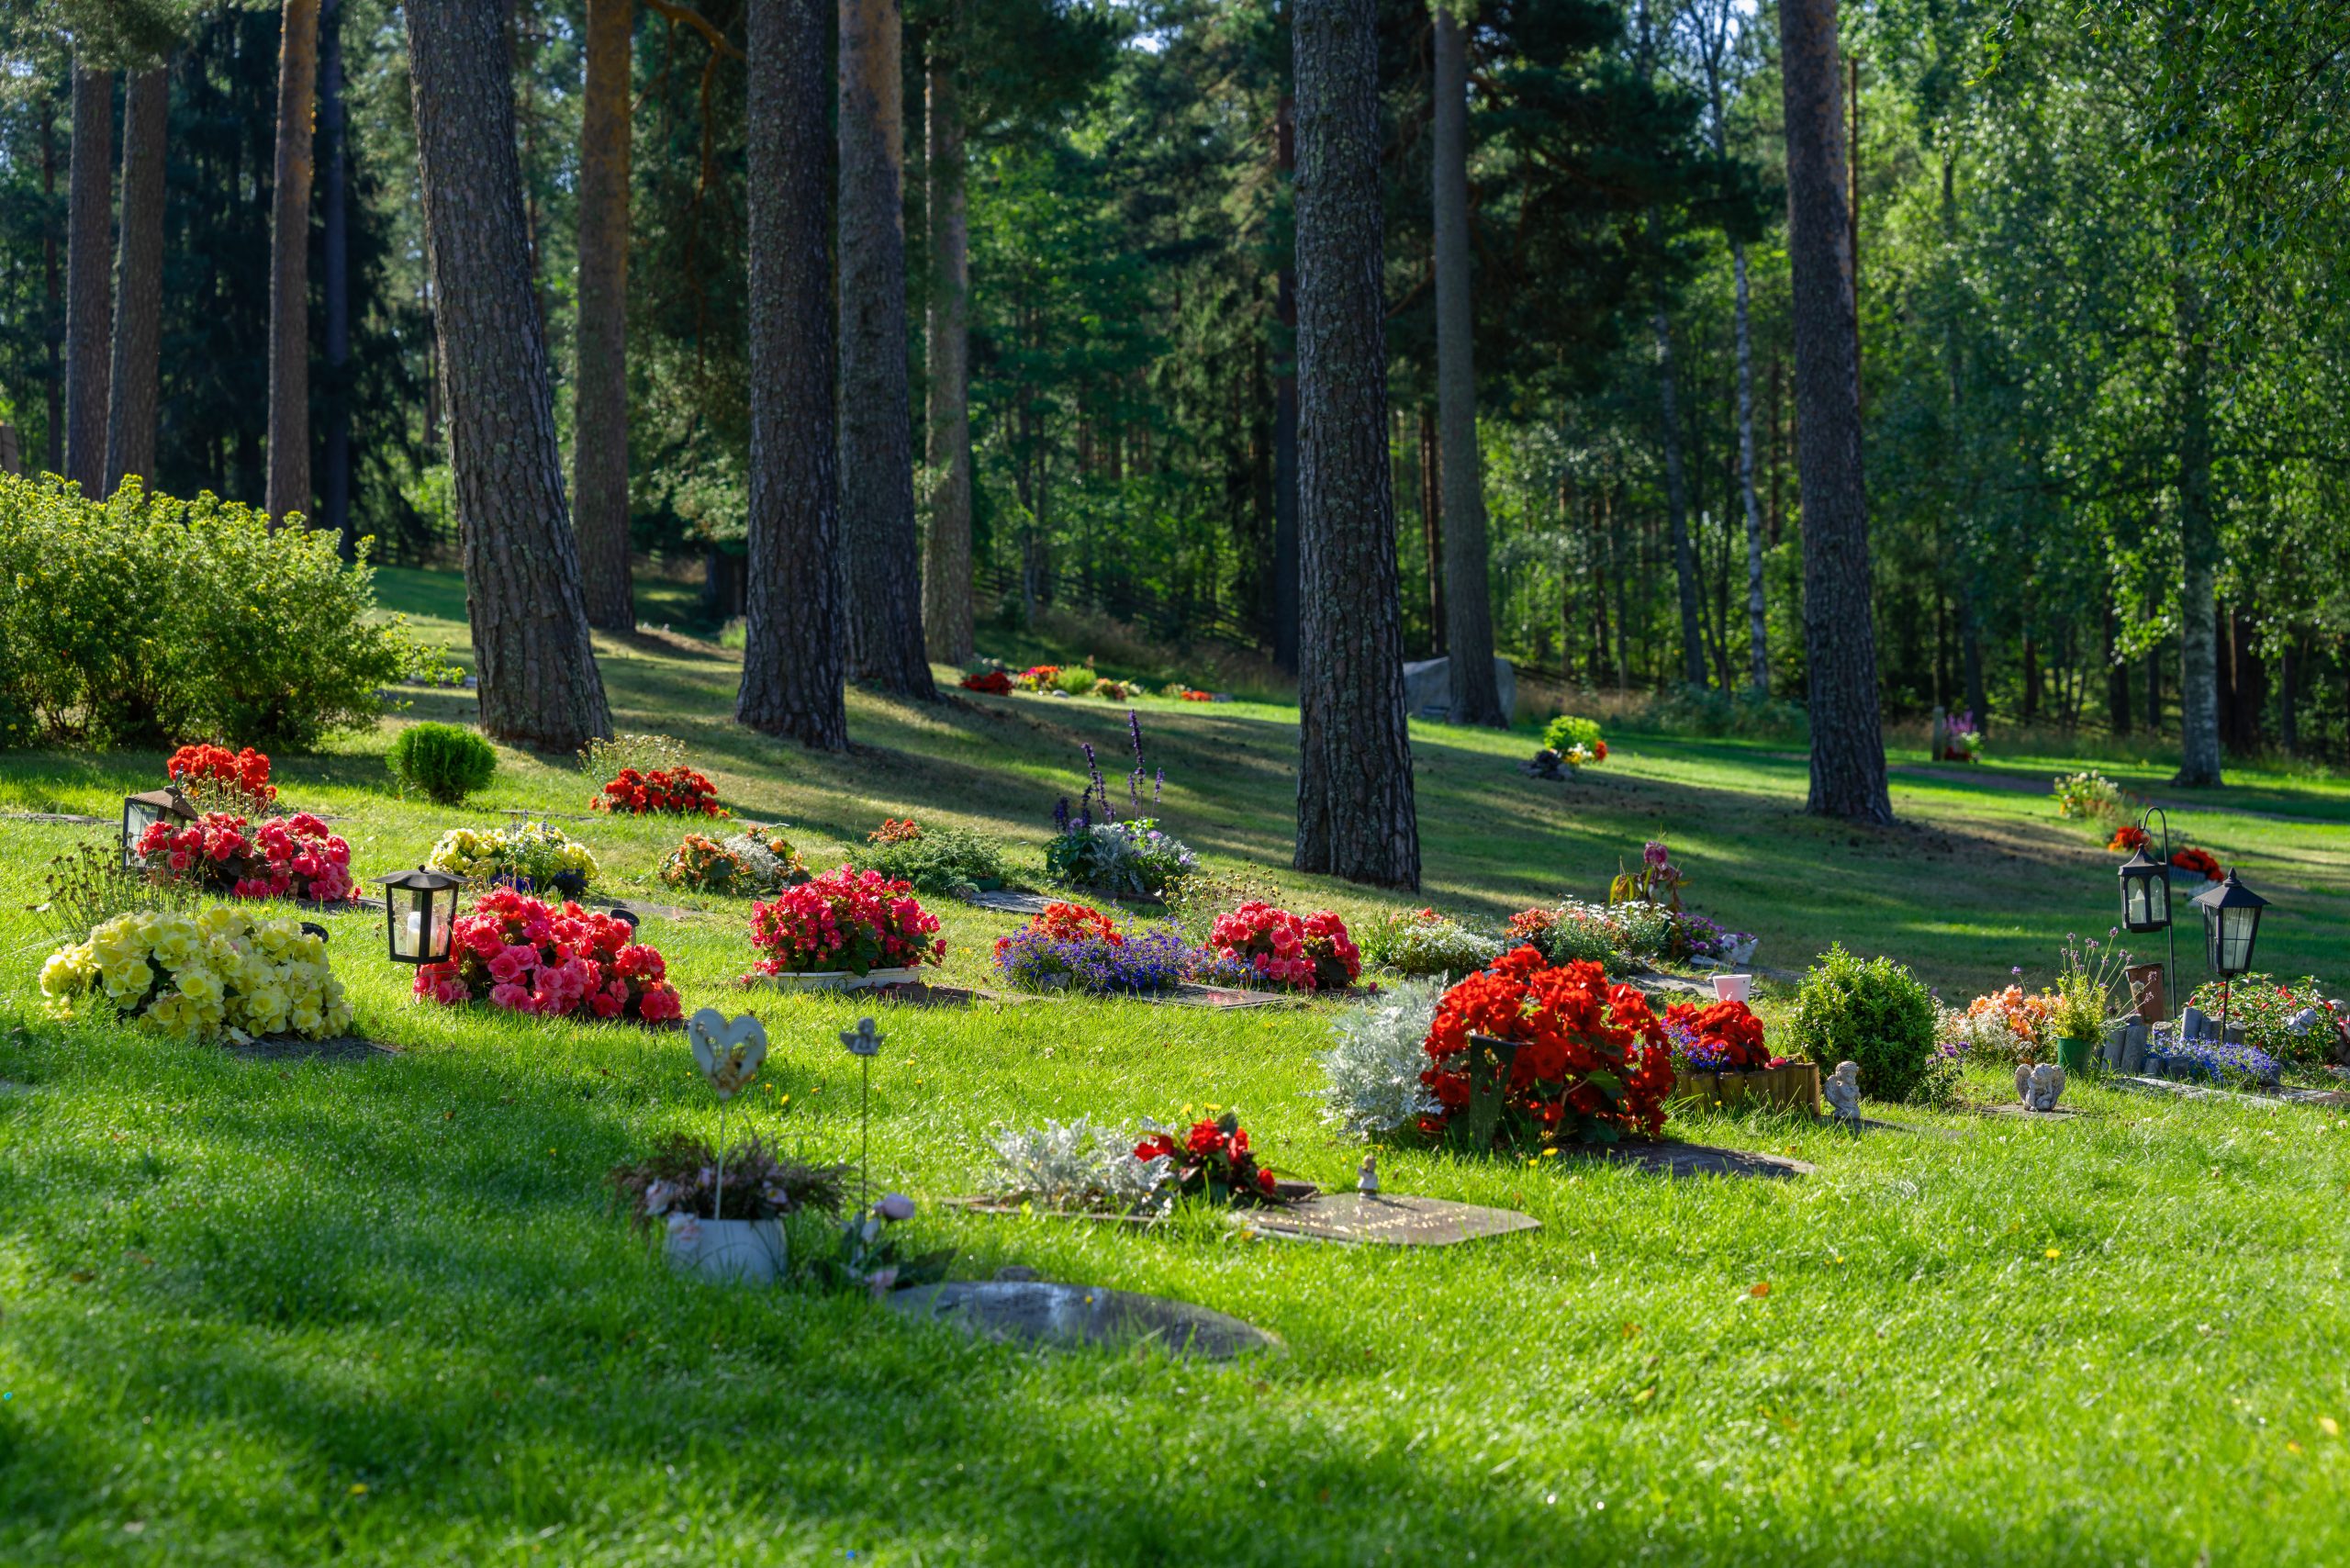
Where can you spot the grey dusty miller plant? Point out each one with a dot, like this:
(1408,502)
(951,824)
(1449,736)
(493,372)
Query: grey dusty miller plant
(1375,1061)
(1075,1166)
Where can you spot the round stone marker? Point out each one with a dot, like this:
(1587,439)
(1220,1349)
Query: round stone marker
(1038,1312)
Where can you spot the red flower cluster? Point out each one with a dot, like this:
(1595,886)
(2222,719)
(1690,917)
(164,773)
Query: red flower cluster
(1312,954)
(2127,837)
(675,791)
(1599,751)
(1529,923)
(1213,1161)
(2202,862)
(1730,1027)
(289,856)
(994,682)
(245,771)
(1038,677)
(1594,1064)
(1190,696)
(894,829)
(845,919)
(1077,922)
(523,955)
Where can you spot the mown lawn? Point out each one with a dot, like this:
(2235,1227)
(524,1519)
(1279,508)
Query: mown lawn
(261,1312)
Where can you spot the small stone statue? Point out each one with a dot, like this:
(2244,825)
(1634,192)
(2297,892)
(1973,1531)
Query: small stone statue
(862,1040)
(1368,1182)
(2039,1087)
(1844,1092)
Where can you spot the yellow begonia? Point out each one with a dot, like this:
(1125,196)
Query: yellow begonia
(226,974)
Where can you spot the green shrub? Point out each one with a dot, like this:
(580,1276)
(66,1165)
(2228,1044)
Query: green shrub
(940,860)
(1076,679)
(1419,943)
(1703,710)
(1874,1013)
(444,763)
(143,620)
(1566,730)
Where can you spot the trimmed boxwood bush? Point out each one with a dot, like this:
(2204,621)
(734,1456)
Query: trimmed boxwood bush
(444,763)
(1874,1013)
(143,621)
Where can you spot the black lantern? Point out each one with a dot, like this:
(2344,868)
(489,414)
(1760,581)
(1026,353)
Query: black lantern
(2145,893)
(2231,924)
(420,914)
(141,812)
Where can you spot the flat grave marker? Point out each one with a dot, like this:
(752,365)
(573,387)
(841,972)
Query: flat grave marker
(1059,1316)
(1392,1219)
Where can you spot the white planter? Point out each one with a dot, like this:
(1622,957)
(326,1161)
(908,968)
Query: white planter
(841,980)
(1732,988)
(746,1251)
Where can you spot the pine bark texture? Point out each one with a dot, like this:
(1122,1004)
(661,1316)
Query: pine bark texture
(334,282)
(1285,567)
(794,650)
(289,264)
(599,390)
(881,548)
(2199,528)
(89,312)
(1355,813)
(139,281)
(1469,613)
(946,562)
(1847,778)
(540,686)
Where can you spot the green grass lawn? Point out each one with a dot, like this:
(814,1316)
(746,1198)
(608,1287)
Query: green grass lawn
(262,1312)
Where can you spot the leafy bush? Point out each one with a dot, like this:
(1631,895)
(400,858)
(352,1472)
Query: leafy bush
(940,861)
(1375,1062)
(1703,710)
(1125,859)
(1566,730)
(2092,797)
(1874,1013)
(444,763)
(1420,942)
(1075,679)
(143,619)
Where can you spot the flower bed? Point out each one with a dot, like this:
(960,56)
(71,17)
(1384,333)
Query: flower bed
(2267,1010)
(1312,954)
(1212,1159)
(1719,1055)
(2198,862)
(523,955)
(1124,859)
(220,974)
(1420,942)
(1594,1062)
(292,857)
(1072,947)
(665,791)
(1038,677)
(2006,1026)
(703,864)
(215,778)
(994,682)
(845,921)
(533,853)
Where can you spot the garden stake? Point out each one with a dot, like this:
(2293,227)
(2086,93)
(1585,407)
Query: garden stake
(864,1045)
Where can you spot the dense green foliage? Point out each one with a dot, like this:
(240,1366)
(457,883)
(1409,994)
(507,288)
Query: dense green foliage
(1871,1012)
(139,620)
(941,860)
(444,763)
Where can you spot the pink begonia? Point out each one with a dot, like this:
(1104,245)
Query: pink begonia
(1311,954)
(845,918)
(517,952)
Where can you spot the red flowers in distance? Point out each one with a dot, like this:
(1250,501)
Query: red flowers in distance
(668,791)
(894,829)
(994,682)
(1594,1063)
(2202,862)
(2127,837)
(246,770)
(1731,1028)
(845,920)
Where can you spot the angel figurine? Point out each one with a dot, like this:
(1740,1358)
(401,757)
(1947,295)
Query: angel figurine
(1844,1092)
(2039,1087)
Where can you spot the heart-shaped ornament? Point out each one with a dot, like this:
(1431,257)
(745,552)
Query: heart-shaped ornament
(728,1050)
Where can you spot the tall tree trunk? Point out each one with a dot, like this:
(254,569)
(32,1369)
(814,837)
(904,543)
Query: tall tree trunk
(334,286)
(2116,676)
(1355,815)
(2198,640)
(1848,777)
(1432,529)
(2289,681)
(139,281)
(540,685)
(88,310)
(876,477)
(1285,606)
(1676,501)
(600,391)
(1469,611)
(794,655)
(946,564)
(289,265)
(1758,630)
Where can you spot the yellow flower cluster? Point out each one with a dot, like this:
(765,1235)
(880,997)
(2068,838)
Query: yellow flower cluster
(533,850)
(220,974)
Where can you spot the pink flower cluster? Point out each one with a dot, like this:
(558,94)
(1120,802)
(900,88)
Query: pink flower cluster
(845,919)
(1311,954)
(292,855)
(517,952)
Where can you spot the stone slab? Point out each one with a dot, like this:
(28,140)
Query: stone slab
(2022,1111)
(1388,1220)
(59,819)
(1666,1158)
(2181,1089)
(341,1048)
(1008,902)
(1061,1317)
(921,993)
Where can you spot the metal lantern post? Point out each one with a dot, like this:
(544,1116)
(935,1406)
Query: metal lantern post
(2231,926)
(2145,900)
(420,915)
(141,812)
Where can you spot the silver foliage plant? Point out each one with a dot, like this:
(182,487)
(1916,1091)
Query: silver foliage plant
(1077,1165)
(1375,1061)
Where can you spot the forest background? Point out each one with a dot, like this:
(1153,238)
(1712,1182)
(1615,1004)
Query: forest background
(2101,307)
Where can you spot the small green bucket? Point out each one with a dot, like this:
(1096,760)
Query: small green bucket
(2074,1053)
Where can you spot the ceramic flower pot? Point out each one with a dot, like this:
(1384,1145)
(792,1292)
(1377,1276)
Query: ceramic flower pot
(745,1251)
(1742,954)
(841,980)
(1732,988)
(2075,1051)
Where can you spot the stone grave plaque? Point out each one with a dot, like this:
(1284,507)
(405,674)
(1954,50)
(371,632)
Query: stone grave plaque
(1038,1312)
(1391,1219)
(1667,1158)
(1008,902)
(1190,995)
(921,993)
